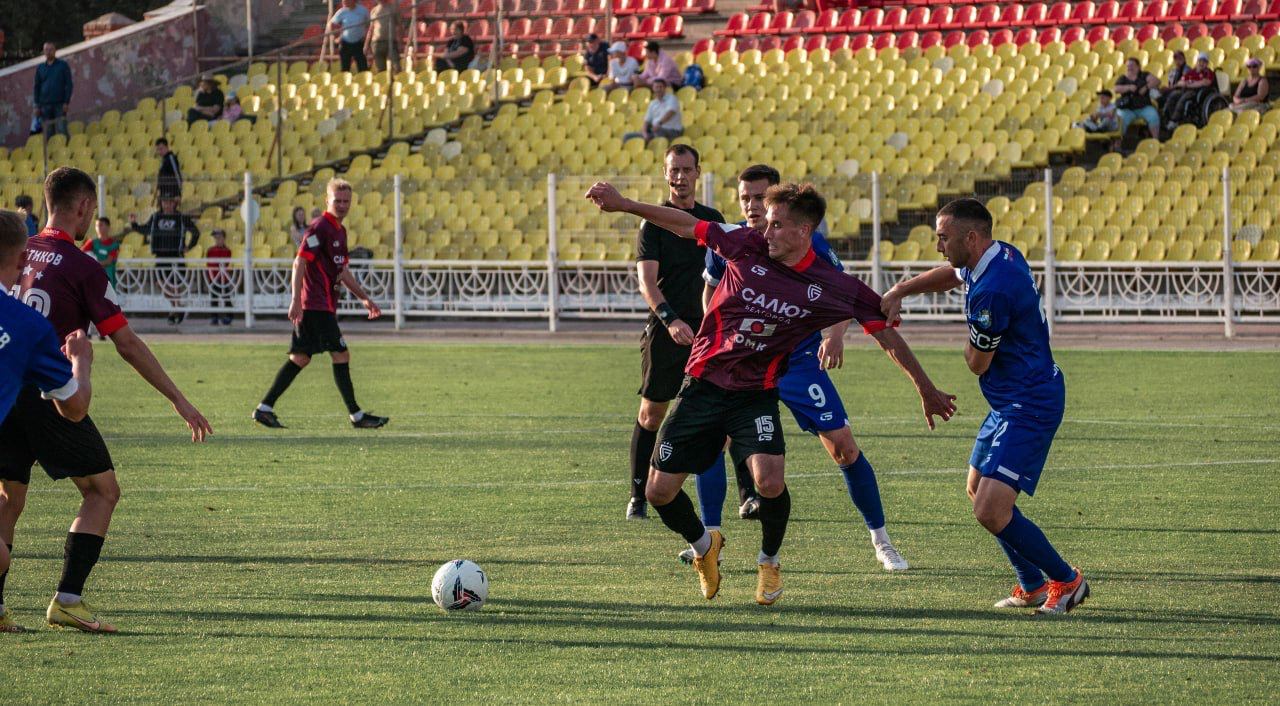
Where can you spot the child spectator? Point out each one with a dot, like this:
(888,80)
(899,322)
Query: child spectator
(104,248)
(219,276)
(1104,118)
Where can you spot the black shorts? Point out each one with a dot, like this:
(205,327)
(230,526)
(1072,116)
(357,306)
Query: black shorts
(662,363)
(692,436)
(317,333)
(34,431)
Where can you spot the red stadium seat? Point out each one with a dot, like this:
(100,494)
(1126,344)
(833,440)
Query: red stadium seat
(1129,12)
(871,19)
(781,23)
(562,28)
(844,41)
(1177,10)
(1202,10)
(895,18)
(1072,35)
(1270,30)
(583,26)
(482,9)
(673,7)
(527,8)
(1197,30)
(1272,14)
(1122,33)
(828,21)
(883,40)
(1049,36)
(1033,15)
(1105,13)
(542,29)
(1227,11)
(625,7)
(976,38)
(802,22)
(793,41)
(1025,35)
(849,19)
(725,44)
(910,38)
(1098,34)
(1246,29)
(1170,31)
(815,42)
(1002,36)
(965,16)
(737,22)
(769,43)
(702,46)
(481,31)
(1011,16)
(988,16)
(314,32)
(650,27)
(1221,30)
(953,38)
(1081,13)
(932,38)
(635,50)
(672,27)
(939,16)
(1147,32)
(1059,14)
(1152,12)
(747,43)
(758,24)
(626,28)
(917,18)
(703,6)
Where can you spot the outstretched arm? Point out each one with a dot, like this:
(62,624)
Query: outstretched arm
(933,400)
(607,199)
(939,279)
(136,353)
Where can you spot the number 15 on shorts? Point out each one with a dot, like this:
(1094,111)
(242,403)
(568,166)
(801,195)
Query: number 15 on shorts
(764,428)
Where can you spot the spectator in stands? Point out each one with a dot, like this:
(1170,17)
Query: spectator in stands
(26,207)
(218,274)
(382,36)
(104,248)
(164,232)
(658,65)
(595,57)
(1254,90)
(1171,81)
(209,101)
(1196,83)
(298,225)
(52,93)
(662,118)
(352,23)
(459,52)
(233,111)
(169,178)
(1134,89)
(622,68)
(1104,118)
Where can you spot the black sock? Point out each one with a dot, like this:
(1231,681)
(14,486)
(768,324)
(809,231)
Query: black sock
(284,379)
(746,484)
(774,513)
(680,517)
(80,554)
(642,441)
(6,573)
(342,377)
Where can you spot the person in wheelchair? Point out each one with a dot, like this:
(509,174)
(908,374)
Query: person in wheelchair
(1188,96)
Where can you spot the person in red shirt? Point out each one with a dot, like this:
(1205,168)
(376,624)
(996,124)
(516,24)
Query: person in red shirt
(219,276)
(1189,92)
(321,265)
(71,290)
(774,294)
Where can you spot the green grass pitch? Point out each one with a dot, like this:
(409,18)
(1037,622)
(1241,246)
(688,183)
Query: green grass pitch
(295,566)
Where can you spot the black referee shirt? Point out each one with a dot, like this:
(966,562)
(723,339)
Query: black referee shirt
(680,263)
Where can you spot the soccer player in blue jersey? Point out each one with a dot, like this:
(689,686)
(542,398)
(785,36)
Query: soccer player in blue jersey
(1008,349)
(806,389)
(31,354)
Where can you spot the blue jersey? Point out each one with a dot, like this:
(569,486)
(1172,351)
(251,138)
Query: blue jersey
(715,270)
(1002,306)
(30,354)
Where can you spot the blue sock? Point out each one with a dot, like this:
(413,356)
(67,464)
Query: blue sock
(1031,544)
(861,480)
(1029,577)
(712,487)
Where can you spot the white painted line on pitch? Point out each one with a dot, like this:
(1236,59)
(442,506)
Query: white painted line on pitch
(956,470)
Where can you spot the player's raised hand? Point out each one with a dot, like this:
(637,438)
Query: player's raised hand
(937,402)
(605,197)
(199,426)
(680,333)
(374,310)
(78,347)
(831,353)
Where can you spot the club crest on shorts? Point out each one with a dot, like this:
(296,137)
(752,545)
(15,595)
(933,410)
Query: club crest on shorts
(757,327)
(814,292)
(664,451)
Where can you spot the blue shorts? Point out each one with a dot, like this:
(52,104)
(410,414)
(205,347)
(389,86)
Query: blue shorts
(1012,448)
(808,392)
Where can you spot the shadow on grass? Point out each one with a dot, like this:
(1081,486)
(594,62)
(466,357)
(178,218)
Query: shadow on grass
(970,523)
(321,560)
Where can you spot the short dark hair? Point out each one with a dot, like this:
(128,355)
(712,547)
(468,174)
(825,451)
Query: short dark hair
(1105,92)
(460,25)
(104,219)
(65,185)
(682,148)
(756,172)
(803,201)
(24,201)
(971,211)
(13,234)
(162,141)
(652,46)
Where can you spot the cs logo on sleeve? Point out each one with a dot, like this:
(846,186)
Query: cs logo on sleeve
(984,318)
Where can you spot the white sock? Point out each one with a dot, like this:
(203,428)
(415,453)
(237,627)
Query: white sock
(265,408)
(763,558)
(66,598)
(357,416)
(703,545)
(879,536)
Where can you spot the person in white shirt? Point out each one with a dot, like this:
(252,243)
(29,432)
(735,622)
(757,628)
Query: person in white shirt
(662,118)
(622,68)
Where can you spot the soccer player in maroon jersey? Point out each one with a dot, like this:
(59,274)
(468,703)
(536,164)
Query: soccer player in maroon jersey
(775,292)
(321,265)
(71,289)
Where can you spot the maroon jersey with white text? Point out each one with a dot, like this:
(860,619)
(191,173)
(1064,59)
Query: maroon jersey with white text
(763,309)
(324,247)
(67,286)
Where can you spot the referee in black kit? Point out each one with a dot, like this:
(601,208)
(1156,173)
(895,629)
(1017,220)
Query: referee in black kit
(670,271)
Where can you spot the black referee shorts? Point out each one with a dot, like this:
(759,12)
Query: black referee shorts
(34,431)
(662,363)
(692,436)
(317,333)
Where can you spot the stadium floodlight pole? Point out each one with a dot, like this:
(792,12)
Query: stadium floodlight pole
(248,23)
(399,266)
(553,256)
(280,116)
(248,251)
(1228,266)
(709,190)
(102,196)
(391,97)
(876,264)
(1049,291)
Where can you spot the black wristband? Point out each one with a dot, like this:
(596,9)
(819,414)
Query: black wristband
(667,314)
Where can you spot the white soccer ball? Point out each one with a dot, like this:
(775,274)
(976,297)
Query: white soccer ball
(460,585)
